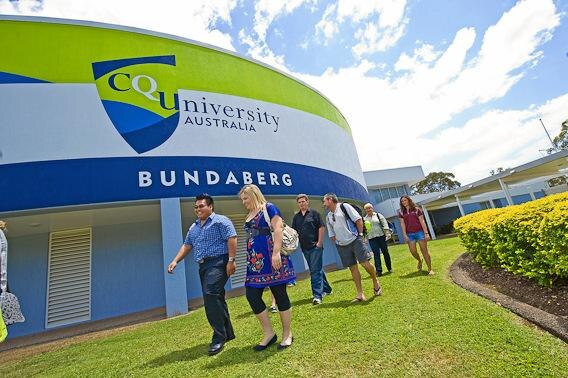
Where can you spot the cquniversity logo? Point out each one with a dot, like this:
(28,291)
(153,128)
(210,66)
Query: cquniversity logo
(143,109)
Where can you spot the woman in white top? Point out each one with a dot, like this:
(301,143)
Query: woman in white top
(377,237)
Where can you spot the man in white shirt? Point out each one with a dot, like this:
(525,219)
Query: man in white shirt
(347,234)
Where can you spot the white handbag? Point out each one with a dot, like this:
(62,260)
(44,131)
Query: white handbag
(11,311)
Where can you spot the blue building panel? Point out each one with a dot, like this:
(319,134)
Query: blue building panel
(127,269)
(27,279)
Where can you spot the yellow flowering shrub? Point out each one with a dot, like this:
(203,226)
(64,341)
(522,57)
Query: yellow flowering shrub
(530,239)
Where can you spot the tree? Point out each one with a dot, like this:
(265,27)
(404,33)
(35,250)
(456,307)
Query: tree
(561,140)
(436,182)
(497,171)
(561,143)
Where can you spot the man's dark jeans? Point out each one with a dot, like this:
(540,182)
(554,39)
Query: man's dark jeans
(213,275)
(314,257)
(378,245)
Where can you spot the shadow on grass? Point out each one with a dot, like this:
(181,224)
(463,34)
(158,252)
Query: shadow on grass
(347,303)
(189,354)
(244,315)
(418,273)
(343,280)
(240,355)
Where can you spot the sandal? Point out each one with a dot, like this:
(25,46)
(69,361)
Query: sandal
(378,291)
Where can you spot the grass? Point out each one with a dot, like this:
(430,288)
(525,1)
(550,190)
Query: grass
(421,326)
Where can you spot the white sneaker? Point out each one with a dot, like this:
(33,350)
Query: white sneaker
(316,301)
(326,294)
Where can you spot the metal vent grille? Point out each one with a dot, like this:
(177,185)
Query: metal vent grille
(238,278)
(69,277)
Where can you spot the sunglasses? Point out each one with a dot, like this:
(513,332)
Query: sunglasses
(200,206)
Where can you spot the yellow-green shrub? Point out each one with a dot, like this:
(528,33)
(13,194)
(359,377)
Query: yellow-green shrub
(474,231)
(529,239)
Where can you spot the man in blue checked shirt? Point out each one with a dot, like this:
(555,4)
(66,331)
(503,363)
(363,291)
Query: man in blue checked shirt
(213,239)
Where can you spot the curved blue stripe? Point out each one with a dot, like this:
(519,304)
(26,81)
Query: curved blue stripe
(152,136)
(9,78)
(127,118)
(91,181)
(102,68)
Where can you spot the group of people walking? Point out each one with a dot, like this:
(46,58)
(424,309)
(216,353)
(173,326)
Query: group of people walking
(213,240)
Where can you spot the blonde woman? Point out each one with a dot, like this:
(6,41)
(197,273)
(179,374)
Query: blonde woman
(266,267)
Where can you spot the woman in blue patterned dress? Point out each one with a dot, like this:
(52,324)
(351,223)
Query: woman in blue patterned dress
(266,267)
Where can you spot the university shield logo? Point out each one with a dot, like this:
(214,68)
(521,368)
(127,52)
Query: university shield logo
(140,98)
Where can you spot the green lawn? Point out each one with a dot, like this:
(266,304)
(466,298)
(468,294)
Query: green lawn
(422,325)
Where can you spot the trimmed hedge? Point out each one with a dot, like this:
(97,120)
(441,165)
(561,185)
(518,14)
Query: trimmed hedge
(530,239)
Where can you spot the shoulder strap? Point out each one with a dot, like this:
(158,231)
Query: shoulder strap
(267,217)
(342,205)
(380,217)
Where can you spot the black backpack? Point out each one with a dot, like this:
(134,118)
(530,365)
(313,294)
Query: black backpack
(359,211)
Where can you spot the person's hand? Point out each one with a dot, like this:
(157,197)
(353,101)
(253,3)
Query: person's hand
(319,244)
(427,236)
(405,238)
(276,260)
(231,266)
(388,235)
(172,266)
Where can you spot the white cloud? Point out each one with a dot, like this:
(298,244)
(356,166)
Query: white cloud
(380,23)
(390,116)
(190,19)
(266,11)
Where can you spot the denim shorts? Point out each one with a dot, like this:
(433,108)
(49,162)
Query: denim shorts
(416,236)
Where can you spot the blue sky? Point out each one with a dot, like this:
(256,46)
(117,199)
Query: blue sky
(456,86)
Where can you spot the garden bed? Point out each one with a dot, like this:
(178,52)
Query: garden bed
(553,300)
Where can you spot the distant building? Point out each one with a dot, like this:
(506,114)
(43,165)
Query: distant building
(514,186)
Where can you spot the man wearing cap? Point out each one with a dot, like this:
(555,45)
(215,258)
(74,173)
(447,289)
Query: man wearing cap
(213,239)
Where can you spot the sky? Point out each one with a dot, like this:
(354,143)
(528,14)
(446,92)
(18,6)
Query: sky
(454,86)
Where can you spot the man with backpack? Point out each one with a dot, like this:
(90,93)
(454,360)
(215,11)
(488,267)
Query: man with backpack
(345,228)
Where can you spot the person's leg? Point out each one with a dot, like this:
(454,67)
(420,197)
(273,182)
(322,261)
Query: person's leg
(375,247)
(213,277)
(414,252)
(326,286)
(254,297)
(385,251)
(314,259)
(357,280)
(285,307)
(347,255)
(424,249)
(363,256)
(369,268)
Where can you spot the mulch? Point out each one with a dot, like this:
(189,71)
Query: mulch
(553,300)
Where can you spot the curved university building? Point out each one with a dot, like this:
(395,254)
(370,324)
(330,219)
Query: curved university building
(108,132)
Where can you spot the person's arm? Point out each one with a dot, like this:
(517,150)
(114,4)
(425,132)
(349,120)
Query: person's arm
(276,223)
(3,261)
(359,225)
(424,227)
(183,251)
(321,231)
(330,231)
(232,249)
(403,228)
